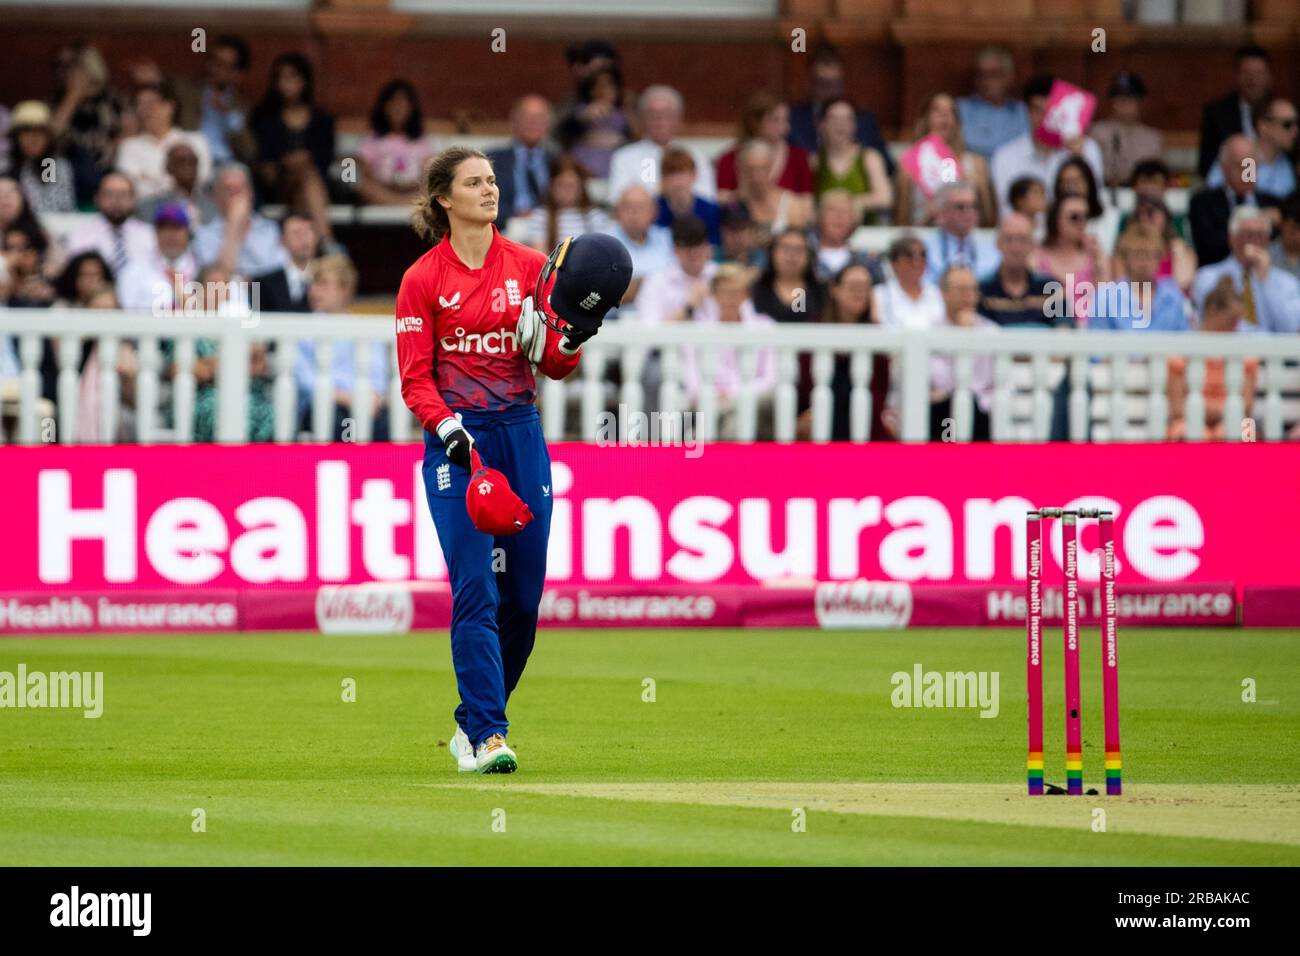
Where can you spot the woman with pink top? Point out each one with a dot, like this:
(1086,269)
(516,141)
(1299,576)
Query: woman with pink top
(1071,255)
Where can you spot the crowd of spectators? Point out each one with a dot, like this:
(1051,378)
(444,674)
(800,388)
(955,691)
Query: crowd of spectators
(178,172)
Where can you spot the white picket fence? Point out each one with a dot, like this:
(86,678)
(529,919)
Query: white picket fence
(1028,367)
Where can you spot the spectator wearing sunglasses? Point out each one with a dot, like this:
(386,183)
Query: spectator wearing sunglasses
(1275,136)
(1071,255)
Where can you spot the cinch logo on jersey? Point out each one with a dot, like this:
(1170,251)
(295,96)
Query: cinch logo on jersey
(491,343)
(410,323)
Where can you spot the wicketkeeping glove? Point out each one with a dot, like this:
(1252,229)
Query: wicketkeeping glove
(531,332)
(456,442)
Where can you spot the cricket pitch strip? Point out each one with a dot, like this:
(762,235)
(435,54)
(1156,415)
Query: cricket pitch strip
(1263,813)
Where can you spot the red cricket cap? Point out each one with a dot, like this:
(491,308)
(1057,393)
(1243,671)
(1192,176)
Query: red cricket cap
(493,506)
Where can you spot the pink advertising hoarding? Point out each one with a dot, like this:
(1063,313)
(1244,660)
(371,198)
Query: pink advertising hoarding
(149,519)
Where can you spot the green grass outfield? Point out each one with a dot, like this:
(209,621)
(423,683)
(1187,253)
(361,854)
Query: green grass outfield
(745,729)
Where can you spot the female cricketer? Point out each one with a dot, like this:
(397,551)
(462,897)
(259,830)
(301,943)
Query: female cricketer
(471,328)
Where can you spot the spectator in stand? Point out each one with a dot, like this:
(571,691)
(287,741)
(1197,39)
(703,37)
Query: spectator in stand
(1071,255)
(1271,297)
(47,178)
(84,275)
(679,196)
(598,125)
(729,302)
(661,110)
(1015,295)
(286,288)
(1124,139)
(1235,112)
(15,210)
(143,157)
(961,296)
(1028,197)
(939,117)
(215,106)
(788,289)
(585,59)
(836,223)
(767,118)
(955,242)
(908,300)
(1144,300)
(741,241)
(89,389)
(1211,207)
(242,240)
(87,118)
(1224,309)
(114,233)
(1026,156)
(1178,261)
(392,155)
(24,251)
(295,141)
(1151,179)
(1275,136)
(1285,250)
(848,302)
(182,166)
(672,294)
(771,207)
(157,284)
(567,209)
(1075,178)
(333,282)
(650,245)
(216,283)
(826,76)
(991,117)
(523,165)
(844,163)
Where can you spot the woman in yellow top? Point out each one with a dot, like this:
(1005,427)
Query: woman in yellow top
(939,115)
(842,163)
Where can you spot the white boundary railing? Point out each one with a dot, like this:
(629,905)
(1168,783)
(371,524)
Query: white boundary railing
(1116,387)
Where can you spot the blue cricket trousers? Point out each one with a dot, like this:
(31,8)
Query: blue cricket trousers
(493,611)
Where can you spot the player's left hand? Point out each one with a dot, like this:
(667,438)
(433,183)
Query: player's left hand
(574,339)
(531,332)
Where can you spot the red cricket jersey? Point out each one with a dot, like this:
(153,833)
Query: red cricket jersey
(456,342)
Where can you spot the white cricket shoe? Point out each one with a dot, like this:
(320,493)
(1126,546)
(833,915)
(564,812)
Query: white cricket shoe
(463,751)
(495,757)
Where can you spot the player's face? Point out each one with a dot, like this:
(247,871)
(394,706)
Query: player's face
(474,192)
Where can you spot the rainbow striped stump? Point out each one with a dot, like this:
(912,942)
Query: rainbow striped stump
(1113,780)
(1035,774)
(1074,774)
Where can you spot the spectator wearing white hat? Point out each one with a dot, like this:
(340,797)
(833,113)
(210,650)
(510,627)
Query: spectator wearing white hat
(46,176)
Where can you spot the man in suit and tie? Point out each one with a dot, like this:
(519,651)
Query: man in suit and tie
(1212,206)
(523,165)
(1234,113)
(285,289)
